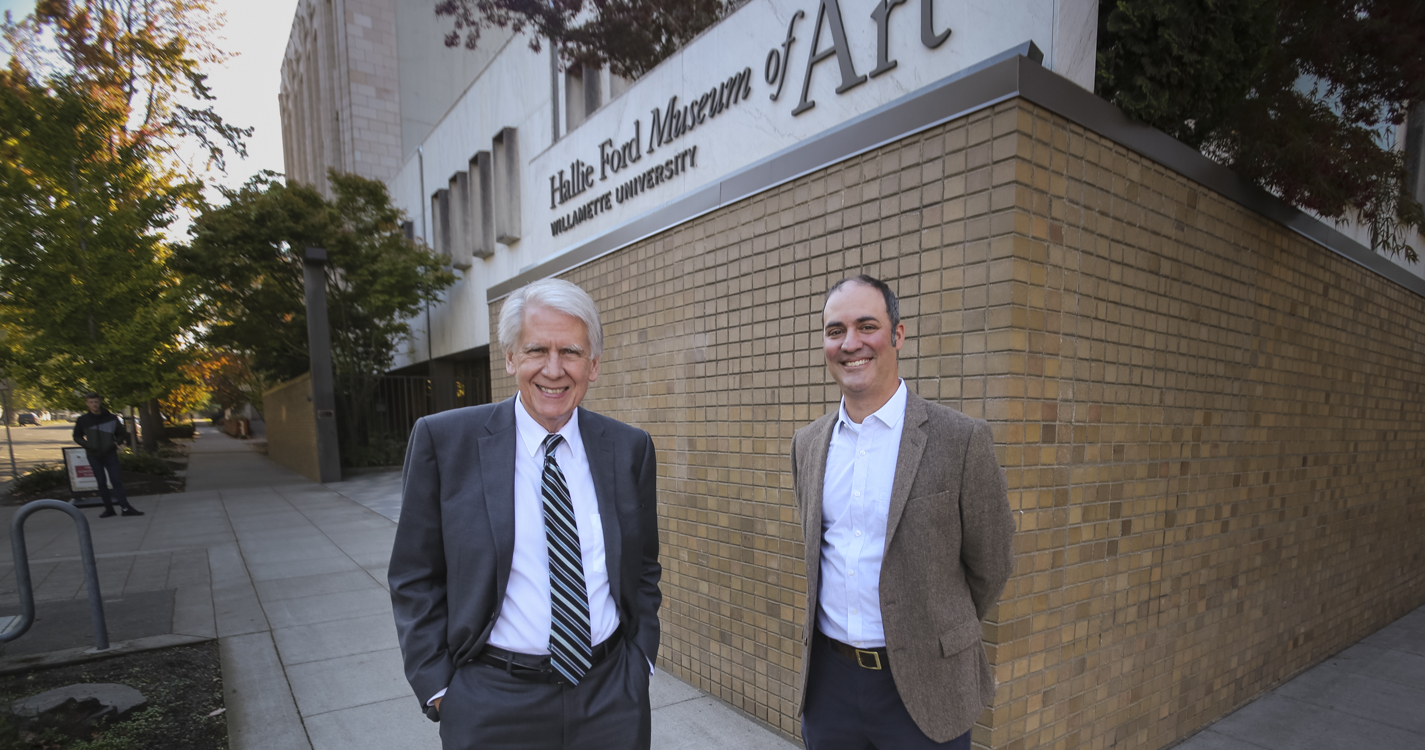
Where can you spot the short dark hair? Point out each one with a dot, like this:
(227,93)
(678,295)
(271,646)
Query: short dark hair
(92,394)
(893,305)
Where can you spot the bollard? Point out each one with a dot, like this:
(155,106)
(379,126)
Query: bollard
(22,571)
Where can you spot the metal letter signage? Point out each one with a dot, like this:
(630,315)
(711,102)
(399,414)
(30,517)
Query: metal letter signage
(667,125)
(673,122)
(778,61)
(882,16)
(622,154)
(829,10)
(928,37)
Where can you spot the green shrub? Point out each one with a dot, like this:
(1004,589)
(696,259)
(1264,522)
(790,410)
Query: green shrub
(144,463)
(384,449)
(178,431)
(40,480)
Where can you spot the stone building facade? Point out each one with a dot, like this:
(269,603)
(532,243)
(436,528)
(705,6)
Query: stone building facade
(340,97)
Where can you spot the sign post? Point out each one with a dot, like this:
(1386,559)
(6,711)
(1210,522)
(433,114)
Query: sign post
(319,345)
(5,392)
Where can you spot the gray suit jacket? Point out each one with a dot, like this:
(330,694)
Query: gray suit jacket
(455,540)
(947,557)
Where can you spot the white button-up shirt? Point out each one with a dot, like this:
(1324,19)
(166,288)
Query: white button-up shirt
(855,504)
(525,615)
(524,622)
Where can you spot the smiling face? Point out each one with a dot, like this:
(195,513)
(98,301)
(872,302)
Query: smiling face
(861,348)
(552,365)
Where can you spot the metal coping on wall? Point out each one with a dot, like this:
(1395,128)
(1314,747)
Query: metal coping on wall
(1005,76)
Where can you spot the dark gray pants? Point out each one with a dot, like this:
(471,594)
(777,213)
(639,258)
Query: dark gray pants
(486,708)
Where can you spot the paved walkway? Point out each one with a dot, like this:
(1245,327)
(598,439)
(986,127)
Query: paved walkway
(1371,695)
(290,577)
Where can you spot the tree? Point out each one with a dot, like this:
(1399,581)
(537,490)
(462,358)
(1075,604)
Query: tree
(191,393)
(20,400)
(230,381)
(245,266)
(87,301)
(627,36)
(1298,96)
(126,76)
(144,58)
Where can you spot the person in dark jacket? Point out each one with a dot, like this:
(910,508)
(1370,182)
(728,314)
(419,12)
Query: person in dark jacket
(100,432)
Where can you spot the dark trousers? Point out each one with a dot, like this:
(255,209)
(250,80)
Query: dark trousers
(108,465)
(849,707)
(489,709)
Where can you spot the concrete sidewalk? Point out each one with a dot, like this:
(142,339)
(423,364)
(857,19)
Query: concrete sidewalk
(1371,695)
(290,577)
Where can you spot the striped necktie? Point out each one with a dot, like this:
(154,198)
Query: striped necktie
(569,645)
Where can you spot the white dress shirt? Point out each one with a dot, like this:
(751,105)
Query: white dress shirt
(525,615)
(855,504)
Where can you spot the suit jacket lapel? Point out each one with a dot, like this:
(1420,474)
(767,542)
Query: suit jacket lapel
(497,474)
(601,466)
(913,439)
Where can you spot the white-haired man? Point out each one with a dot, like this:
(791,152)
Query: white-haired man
(524,576)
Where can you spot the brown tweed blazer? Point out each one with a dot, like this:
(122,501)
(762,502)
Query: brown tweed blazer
(948,554)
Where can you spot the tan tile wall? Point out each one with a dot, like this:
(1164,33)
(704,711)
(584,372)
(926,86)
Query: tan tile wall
(1211,426)
(292,426)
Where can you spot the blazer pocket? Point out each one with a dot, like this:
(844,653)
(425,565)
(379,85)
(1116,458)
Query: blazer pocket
(954,641)
(934,499)
(933,514)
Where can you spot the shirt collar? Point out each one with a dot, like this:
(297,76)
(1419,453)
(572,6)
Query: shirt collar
(890,414)
(531,434)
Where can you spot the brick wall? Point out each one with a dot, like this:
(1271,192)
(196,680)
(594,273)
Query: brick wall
(1210,426)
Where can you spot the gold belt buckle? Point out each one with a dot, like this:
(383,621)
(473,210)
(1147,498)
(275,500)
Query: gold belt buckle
(861,659)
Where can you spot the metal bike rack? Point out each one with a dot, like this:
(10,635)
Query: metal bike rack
(22,571)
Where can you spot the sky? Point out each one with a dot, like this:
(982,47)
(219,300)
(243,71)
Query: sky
(246,86)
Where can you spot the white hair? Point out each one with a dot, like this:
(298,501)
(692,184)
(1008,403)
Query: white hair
(557,295)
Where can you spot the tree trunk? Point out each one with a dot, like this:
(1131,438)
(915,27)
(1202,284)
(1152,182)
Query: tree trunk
(152,423)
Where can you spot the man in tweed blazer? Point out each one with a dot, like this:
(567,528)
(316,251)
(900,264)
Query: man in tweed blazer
(908,545)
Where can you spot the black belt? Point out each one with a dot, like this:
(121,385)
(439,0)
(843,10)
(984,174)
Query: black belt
(866,658)
(536,668)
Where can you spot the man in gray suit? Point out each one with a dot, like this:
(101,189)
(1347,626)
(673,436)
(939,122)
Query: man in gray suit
(525,571)
(908,529)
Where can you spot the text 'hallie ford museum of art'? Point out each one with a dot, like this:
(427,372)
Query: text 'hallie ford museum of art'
(1207,403)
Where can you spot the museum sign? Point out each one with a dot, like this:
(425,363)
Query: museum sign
(581,191)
